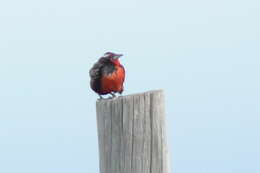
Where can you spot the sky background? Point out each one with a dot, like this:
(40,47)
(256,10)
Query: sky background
(204,54)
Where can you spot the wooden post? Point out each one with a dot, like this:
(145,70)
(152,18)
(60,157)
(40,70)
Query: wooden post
(131,134)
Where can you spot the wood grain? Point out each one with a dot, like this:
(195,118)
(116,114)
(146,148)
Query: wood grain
(132,134)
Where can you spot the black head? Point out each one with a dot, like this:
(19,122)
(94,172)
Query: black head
(112,56)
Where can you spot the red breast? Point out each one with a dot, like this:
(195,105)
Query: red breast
(114,81)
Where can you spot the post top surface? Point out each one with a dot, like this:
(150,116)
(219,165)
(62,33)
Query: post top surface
(131,95)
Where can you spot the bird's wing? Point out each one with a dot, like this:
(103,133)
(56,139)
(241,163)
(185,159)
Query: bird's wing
(95,71)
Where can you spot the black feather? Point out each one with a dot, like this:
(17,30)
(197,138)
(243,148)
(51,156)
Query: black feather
(103,67)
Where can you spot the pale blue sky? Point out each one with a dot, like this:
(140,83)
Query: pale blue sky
(204,54)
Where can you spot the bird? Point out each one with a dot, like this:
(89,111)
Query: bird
(107,75)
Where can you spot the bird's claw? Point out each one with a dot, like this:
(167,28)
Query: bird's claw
(112,95)
(100,97)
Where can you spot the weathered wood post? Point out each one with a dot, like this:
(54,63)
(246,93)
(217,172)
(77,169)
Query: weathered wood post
(132,134)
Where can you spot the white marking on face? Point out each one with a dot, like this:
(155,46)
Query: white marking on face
(106,55)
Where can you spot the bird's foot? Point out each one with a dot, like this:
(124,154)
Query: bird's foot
(100,97)
(112,95)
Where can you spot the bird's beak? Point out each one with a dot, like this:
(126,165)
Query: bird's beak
(117,56)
